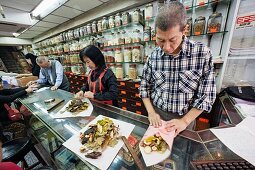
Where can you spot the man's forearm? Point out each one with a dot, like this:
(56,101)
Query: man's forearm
(191,115)
(148,105)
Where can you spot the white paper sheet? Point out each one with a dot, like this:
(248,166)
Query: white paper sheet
(246,109)
(105,160)
(63,114)
(41,89)
(240,139)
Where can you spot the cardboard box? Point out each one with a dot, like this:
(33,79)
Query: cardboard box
(24,80)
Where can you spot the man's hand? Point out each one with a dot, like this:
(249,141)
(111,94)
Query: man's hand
(30,89)
(30,83)
(54,88)
(177,125)
(154,119)
(89,95)
(79,95)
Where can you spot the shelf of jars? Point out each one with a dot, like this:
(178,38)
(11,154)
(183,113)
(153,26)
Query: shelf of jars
(201,4)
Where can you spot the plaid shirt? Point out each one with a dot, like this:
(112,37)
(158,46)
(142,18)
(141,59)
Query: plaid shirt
(177,84)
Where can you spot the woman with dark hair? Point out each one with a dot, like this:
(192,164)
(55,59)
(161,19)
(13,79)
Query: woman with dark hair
(31,60)
(102,83)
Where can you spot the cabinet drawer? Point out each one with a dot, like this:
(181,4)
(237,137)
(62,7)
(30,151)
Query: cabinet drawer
(122,84)
(133,86)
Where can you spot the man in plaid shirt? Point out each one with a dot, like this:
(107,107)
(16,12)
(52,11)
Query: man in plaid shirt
(178,83)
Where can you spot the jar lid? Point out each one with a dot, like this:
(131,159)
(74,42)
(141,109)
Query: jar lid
(111,16)
(89,24)
(125,13)
(147,28)
(118,14)
(94,22)
(137,9)
(216,14)
(119,65)
(132,65)
(148,5)
(117,48)
(99,21)
(127,47)
(136,47)
(104,17)
(200,18)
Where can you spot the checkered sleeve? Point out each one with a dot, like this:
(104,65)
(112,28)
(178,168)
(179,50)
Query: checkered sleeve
(206,92)
(145,86)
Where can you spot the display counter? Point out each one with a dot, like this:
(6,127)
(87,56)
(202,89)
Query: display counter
(188,146)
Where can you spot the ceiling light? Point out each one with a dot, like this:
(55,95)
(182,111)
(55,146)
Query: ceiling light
(15,34)
(46,7)
(2,11)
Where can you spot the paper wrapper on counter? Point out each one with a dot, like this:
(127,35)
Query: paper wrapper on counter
(24,80)
(157,157)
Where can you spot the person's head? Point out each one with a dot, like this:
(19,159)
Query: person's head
(93,57)
(43,61)
(170,26)
(31,58)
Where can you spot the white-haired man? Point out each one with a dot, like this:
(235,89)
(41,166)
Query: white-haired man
(51,73)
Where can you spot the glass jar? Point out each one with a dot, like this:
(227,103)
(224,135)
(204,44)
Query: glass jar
(111,22)
(187,4)
(128,39)
(85,32)
(94,27)
(147,34)
(201,2)
(81,31)
(111,55)
(188,27)
(125,18)
(70,35)
(112,67)
(118,55)
(136,54)
(66,48)
(118,21)
(148,11)
(132,72)
(127,54)
(105,23)
(136,36)
(136,16)
(199,25)
(99,26)
(153,35)
(122,37)
(89,28)
(76,33)
(119,71)
(214,23)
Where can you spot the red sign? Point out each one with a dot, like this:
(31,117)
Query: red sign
(245,19)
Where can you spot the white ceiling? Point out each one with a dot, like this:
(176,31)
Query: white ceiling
(23,5)
(22,8)
(83,5)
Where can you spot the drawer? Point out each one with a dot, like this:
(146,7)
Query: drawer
(122,84)
(133,86)
(131,103)
(129,95)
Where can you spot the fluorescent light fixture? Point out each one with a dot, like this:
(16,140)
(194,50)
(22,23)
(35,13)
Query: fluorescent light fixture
(15,34)
(46,7)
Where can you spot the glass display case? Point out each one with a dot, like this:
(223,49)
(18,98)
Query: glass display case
(187,146)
